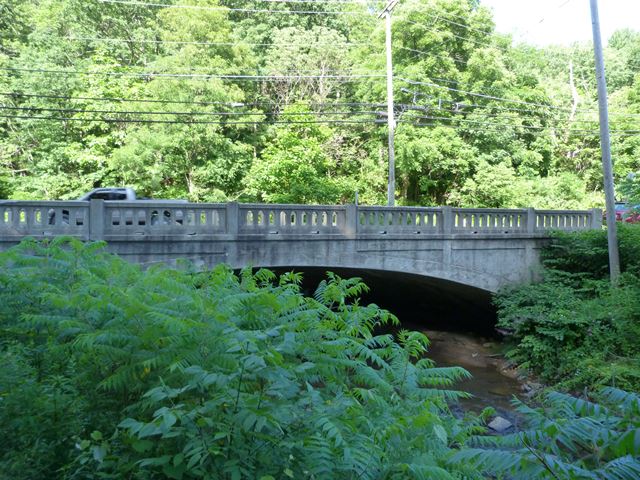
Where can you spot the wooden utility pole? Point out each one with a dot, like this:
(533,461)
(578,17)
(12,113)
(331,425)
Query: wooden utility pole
(391,121)
(607,169)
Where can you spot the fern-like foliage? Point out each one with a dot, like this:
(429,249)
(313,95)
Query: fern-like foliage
(168,373)
(567,438)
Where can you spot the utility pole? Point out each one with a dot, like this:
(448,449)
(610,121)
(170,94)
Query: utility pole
(391,121)
(607,169)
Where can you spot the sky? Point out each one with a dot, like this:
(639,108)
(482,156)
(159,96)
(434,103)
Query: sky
(545,22)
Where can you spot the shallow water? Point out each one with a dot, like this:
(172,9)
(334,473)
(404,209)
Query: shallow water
(490,386)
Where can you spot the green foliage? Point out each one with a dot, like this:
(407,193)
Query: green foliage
(452,147)
(573,328)
(567,438)
(114,372)
(294,168)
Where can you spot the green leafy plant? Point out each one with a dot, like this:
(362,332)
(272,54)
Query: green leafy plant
(567,438)
(573,329)
(179,374)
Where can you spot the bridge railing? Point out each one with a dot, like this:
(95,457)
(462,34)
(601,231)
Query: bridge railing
(564,220)
(162,218)
(292,219)
(485,220)
(399,220)
(110,220)
(25,218)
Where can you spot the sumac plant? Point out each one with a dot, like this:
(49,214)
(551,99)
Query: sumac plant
(566,438)
(123,373)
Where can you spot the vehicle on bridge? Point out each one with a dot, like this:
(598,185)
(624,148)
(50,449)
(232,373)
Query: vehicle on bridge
(111,194)
(627,213)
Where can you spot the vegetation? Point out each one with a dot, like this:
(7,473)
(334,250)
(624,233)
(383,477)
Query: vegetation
(566,439)
(573,329)
(524,135)
(112,372)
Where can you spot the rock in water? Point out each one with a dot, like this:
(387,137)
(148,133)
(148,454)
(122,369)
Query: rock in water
(500,424)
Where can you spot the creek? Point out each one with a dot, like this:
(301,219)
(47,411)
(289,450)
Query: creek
(459,322)
(491,384)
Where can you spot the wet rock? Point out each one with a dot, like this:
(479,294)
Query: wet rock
(502,391)
(500,424)
(530,389)
(510,373)
(487,345)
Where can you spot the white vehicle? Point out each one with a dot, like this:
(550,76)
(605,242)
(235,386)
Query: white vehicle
(122,194)
(110,193)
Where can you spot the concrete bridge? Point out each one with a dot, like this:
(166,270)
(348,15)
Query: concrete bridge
(481,248)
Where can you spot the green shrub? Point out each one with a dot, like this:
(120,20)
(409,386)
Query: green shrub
(573,328)
(566,439)
(113,372)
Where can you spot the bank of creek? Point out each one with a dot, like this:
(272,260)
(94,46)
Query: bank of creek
(460,324)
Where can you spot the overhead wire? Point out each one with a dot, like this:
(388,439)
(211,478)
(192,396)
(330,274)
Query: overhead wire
(463,105)
(460,37)
(196,113)
(349,76)
(501,124)
(211,44)
(320,113)
(563,4)
(183,102)
(486,96)
(515,117)
(619,134)
(442,17)
(317,2)
(182,122)
(431,54)
(229,9)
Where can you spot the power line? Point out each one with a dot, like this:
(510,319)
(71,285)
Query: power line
(141,112)
(348,2)
(547,14)
(195,75)
(466,39)
(131,120)
(229,9)
(237,113)
(457,107)
(461,105)
(432,54)
(515,117)
(209,44)
(453,15)
(482,95)
(619,134)
(509,100)
(501,124)
(457,24)
(184,102)
(218,122)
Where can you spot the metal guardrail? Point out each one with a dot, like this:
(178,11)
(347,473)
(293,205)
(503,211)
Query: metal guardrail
(104,220)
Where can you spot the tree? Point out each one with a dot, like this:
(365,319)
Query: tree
(294,167)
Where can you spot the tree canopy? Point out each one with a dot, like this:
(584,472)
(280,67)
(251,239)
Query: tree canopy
(248,101)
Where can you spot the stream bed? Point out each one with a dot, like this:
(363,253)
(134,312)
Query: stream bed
(491,385)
